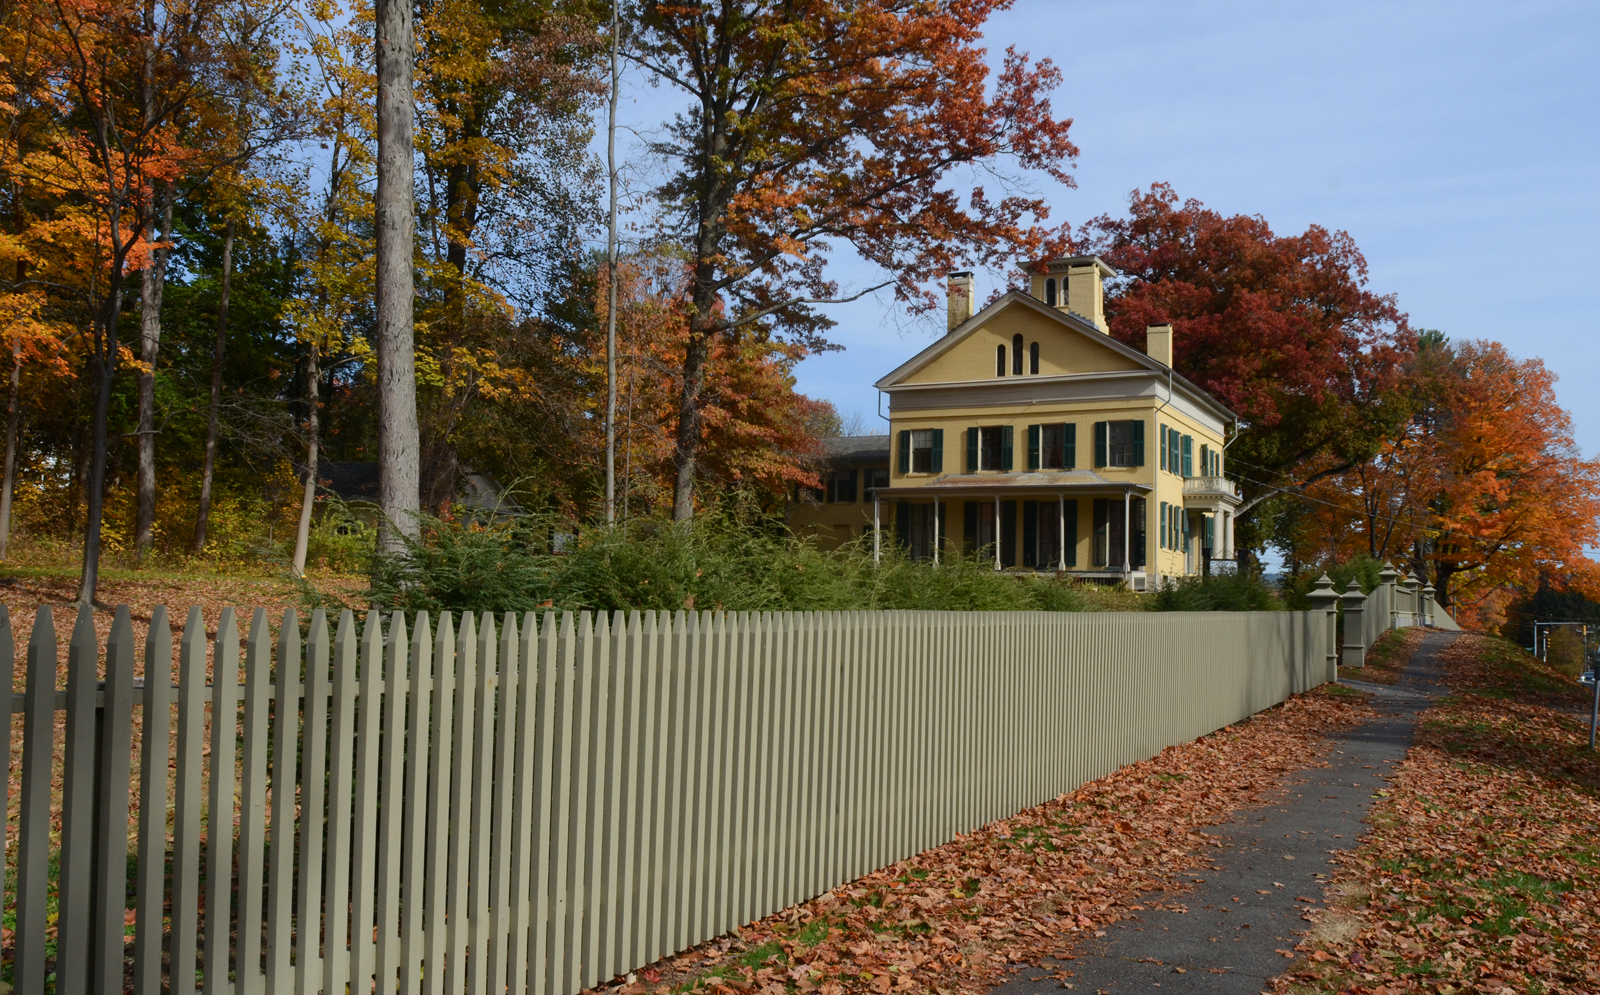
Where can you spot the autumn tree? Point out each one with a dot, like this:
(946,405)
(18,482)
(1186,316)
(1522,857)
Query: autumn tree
(1280,328)
(815,123)
(1512,498)
(504,90)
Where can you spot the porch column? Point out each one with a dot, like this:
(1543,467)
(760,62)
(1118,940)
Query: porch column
(1061,532)
(1127,529)
(936,532)
(877,533)
(1227,535)
(999,533)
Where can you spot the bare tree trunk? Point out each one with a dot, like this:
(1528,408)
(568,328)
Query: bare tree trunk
(218,355)
(695,358)
(302,536)
(153,281)
(105,366)
(13,436)
(398,441)
(611,285)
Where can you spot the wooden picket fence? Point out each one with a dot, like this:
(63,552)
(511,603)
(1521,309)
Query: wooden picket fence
(472,804)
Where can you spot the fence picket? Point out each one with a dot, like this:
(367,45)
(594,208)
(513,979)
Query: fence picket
(441,827)
(111,810)
(364,833)
(219,810)
(392,802)
(505,783)
(482,811)
(155,751)
(33,829)
(253,805)
(74,930)
(187,805)
(341,778)
(313,801)
(280,860)
(457,908)
(420,750)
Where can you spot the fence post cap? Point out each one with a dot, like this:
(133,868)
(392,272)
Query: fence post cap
(1428,590)
(1353,594)
(1323,596)
(1388,575)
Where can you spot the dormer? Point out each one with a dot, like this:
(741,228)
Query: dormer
(1075,284)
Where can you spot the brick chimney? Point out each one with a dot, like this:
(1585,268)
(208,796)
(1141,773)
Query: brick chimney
(1158,343)
(962,294)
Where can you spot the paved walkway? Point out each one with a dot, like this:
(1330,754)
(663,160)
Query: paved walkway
(1240,916)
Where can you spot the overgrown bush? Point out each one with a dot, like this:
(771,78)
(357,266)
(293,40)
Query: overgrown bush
(1565,651)
(721,561)
(1363,569)
(1224,593)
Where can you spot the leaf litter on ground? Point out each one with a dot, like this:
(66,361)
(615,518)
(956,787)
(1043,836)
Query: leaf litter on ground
(1025,889)
(1481,870)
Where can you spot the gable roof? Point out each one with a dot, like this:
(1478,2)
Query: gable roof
(1070,322)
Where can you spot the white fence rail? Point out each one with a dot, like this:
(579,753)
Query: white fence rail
(539,804)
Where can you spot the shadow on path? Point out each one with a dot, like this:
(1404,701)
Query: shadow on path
(1270,861)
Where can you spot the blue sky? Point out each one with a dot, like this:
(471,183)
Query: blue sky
(1457,143)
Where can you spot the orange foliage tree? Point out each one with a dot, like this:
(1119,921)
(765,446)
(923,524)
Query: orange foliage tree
(813,123)
(1482,489)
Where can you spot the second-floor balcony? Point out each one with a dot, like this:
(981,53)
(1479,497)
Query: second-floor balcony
(1211,493)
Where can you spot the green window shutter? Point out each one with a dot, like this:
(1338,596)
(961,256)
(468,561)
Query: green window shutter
(1069,434)
(1099,443)
(938,450)
(1030,533)
(905,451)
(972,450)
(1008,533)
(1033,447)
(1138,443)
(902,523)
(1172,450)
(1162,436)
(1005,447)
(850,488)
(1071,512)
(970,525)
(1163,525)
(1188,456)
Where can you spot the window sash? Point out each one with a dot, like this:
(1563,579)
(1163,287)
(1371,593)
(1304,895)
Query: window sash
(922,450)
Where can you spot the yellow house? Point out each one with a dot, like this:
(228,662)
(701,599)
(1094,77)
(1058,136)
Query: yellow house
(1028,433)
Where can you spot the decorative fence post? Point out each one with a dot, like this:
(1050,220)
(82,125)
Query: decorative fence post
(1427,607)
(1388,597)
(1325,599)
(1355,627)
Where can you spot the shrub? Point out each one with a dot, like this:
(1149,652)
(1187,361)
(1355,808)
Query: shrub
(721,561)
(1363,569)
(1225,593)
(1565,651)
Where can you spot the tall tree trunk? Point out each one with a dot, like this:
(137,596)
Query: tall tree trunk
(152,285)
(611,284)
(8,482)
(688,441)
(105,366)
(218,355)
(398,441)
(302,536)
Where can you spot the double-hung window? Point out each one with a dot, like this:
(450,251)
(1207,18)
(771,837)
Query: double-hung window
(922,450)
(1052,447)
(841,487)
(994,448)
(1119,443)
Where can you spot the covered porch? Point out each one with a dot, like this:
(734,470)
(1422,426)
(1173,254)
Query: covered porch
(1073,521)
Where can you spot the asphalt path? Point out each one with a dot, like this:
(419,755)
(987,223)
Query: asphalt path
(1272,864)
